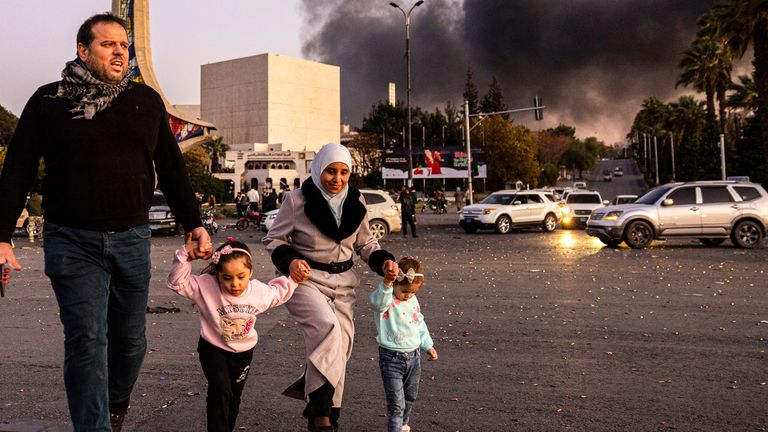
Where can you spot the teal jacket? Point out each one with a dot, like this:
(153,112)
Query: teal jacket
(399,324)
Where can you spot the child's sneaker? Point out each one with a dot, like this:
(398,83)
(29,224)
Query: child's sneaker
(406,428)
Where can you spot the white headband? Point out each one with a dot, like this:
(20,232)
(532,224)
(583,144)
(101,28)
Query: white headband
(226,250)
(410,275)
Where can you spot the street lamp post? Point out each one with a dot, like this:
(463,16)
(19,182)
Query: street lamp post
(407,16)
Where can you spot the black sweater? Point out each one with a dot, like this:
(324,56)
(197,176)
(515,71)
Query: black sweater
(99,173)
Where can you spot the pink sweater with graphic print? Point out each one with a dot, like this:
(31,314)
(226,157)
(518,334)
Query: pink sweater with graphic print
(227,321)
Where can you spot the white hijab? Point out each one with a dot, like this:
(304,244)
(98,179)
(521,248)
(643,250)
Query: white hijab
(328,154)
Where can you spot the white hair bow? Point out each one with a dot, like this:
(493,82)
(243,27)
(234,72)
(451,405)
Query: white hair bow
(410,275)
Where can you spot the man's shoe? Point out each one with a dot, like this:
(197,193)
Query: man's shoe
(116,421)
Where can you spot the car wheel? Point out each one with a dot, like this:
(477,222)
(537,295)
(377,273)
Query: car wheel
(378,228)
(712,241)
(611,243)
(638,235)
(747,234)
(470,229)
(550,223)
(241,224)
(503,224)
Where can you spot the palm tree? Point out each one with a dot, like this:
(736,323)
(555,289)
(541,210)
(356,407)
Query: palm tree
(744,23)
(744,95)
(215,148)
(706,66)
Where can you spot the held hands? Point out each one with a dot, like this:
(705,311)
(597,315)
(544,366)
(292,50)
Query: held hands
(432,353)
(299,270)
(390,270)
(198,244)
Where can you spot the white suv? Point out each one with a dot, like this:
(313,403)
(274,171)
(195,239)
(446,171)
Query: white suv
(578,205)
(507,209)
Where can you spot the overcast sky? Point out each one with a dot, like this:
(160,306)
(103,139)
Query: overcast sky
(591,61)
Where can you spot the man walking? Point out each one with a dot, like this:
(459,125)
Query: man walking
(407,211)
(34,208)
(102,138)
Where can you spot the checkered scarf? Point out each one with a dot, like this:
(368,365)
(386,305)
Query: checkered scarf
(87,93)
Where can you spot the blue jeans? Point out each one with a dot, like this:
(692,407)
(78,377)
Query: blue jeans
(400,372)
(101,282)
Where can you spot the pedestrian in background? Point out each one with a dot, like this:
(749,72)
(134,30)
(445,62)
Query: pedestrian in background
(34,208)
(459,198)
(408,211)
(103,139)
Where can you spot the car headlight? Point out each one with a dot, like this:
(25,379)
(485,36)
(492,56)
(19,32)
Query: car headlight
(489,210)
(565,210)
(169,215)
(612,215)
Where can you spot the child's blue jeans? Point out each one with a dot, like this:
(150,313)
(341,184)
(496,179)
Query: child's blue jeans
(400,372)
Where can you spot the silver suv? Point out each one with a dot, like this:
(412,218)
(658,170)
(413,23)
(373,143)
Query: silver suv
(711,211)
(507,209)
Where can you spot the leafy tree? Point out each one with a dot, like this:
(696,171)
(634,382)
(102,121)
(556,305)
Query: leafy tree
(511,153)
(366,158)
(7,126)
(470,92)
(494,99)
(549,174)
(202,181)
(388,122)
(563,130)
(216,148)
(551,146)
(749,159)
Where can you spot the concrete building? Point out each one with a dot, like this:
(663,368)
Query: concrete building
(272,111)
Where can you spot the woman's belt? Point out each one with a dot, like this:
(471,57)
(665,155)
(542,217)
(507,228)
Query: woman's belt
(333,268)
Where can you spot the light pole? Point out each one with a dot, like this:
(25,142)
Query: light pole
(407,16)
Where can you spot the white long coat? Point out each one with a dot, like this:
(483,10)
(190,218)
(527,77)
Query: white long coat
(322,305)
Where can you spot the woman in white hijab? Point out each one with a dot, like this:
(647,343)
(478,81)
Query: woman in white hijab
(318,230)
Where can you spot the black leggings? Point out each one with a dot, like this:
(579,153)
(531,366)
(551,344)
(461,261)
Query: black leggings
(226,373)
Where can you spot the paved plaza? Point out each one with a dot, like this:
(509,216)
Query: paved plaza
(536,332)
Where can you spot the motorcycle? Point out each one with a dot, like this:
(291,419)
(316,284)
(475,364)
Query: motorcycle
(436,206)
(209,222)
(251,217)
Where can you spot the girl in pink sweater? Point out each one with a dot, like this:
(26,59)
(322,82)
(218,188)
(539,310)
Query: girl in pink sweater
(229,301)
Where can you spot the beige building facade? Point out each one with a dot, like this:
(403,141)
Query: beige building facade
(274,99)
(274,112)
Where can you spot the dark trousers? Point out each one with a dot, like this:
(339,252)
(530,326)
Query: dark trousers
(101,282)
(321,405)
(408,219)
(226,373)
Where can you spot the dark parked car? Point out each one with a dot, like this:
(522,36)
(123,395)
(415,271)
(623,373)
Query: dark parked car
(161,219)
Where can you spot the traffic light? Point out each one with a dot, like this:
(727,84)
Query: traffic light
(538,113)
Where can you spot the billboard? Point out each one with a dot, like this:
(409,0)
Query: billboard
(432,163)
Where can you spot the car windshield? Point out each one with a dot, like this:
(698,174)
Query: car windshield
(653,195)
(158,200)
(583,199)
(503,199)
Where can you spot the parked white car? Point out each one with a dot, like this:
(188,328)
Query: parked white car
(508,209)
(383,214)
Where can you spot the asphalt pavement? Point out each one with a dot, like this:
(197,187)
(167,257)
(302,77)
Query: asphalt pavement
(535,331)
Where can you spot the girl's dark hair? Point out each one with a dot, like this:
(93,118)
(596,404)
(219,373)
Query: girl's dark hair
(407,263)
(85,33)
(212,268)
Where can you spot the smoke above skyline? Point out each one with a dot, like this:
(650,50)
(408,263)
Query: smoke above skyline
(592,62)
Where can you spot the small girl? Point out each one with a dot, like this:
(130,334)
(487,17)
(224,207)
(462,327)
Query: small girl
(401,333)
(228,301)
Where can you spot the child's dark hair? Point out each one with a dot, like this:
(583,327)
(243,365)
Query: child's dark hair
(213,268)
(407,263)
